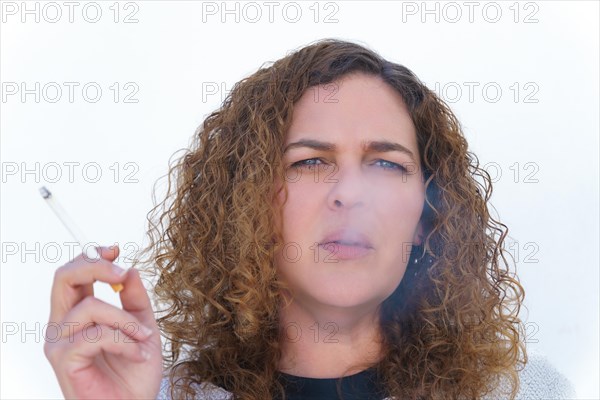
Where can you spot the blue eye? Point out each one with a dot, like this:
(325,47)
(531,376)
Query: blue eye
(394,166)
(303,163)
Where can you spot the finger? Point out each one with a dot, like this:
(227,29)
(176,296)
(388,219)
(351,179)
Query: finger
(108,253)
(81,352)
(92,311)
(135,299)
(74,280)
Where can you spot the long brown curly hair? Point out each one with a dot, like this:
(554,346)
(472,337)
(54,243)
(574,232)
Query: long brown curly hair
(450,329)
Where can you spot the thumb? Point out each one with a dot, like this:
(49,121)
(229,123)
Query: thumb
(135,300)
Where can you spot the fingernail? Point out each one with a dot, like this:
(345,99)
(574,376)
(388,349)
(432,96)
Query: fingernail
(145,330)
(119,271)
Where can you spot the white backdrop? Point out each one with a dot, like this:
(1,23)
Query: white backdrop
(96,96)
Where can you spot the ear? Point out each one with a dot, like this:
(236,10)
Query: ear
(418,238)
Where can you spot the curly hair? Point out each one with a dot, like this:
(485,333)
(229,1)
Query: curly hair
(449,330)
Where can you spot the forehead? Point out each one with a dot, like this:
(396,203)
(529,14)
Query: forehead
(357,106)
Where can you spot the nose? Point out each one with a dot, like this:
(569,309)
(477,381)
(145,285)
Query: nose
(348,188)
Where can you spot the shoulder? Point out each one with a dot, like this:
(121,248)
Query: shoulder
(539,379)
(205,391)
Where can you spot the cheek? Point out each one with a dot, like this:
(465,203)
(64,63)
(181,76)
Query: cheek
(299,209)
(407,195)
(293,216)
(400,210)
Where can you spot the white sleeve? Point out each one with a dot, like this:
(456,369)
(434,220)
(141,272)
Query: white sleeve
(539,379)
(206,391)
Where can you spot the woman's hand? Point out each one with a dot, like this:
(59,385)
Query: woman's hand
(97,350)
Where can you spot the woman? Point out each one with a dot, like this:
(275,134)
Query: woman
(325,223)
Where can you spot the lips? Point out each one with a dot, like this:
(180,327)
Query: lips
(347,237)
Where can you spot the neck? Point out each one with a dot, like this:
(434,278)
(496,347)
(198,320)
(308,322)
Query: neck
(330,342)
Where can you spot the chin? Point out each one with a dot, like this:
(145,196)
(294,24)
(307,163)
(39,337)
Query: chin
(335,289)
(346,296)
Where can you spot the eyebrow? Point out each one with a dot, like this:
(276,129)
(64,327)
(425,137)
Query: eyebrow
(376,146)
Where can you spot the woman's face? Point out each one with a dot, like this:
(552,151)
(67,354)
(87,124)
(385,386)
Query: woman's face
(344,159)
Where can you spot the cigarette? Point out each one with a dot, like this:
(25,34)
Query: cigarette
(62,215)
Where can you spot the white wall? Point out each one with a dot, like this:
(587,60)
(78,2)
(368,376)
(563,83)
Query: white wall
(548,134)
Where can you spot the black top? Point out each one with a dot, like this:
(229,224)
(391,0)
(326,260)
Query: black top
(360,386)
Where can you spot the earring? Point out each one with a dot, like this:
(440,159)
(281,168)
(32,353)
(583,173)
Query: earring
(425,259)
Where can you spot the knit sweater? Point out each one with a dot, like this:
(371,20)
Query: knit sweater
(538,380)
